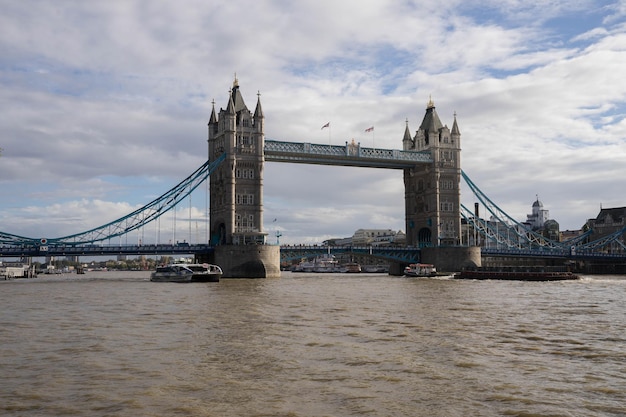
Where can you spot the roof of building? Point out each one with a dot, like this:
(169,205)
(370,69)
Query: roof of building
(238,98)
(431,122)
(617,215)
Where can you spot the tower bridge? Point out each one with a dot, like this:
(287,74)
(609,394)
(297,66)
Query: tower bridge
(237,151)
(430,160)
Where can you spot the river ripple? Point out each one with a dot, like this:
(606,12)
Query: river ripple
(115,344)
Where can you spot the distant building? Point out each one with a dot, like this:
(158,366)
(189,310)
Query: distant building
(550,230)
(345,241)
(375,237)
(539,216)
(608,221)
(370,237)
(570,234)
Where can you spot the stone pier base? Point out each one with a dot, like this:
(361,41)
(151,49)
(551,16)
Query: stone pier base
(452,258)
(248,261)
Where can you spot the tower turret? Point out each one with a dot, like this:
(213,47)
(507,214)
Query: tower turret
(407,141)
(259,118)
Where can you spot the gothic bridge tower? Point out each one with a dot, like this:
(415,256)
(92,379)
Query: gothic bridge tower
(236,191)
(237,184)
(432,192)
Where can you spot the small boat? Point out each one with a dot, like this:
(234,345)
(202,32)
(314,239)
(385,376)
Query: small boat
(518,275)
(420,270)
(186,272)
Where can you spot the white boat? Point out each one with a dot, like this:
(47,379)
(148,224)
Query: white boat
(420,270)
(205,272)
(172,273)
(183,272)
(325,264)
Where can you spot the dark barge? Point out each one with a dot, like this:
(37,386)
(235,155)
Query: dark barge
(516,275)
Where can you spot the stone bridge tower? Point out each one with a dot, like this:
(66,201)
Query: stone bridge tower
(237,184)
(432,192)
(236,191)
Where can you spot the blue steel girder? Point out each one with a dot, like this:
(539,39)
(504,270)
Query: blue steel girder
(9,239)
(352,154)
(615,237)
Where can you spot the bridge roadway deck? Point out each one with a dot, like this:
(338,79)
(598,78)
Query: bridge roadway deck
(352,154)
(288,252)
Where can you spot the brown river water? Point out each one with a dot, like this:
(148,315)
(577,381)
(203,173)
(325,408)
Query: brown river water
(115,344)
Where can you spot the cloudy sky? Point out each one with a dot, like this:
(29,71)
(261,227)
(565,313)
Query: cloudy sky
(105,104)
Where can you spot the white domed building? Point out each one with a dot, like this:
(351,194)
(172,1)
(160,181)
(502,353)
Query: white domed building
(539,216)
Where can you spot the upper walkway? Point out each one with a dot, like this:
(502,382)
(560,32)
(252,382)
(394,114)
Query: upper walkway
(352,154)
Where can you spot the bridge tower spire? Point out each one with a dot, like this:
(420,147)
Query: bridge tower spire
(432,192)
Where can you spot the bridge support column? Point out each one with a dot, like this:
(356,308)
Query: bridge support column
(396,269)
(452,258)
(248,261)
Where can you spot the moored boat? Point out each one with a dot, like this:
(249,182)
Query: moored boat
(325,264)
(420,270)
(321,264)
(351,268)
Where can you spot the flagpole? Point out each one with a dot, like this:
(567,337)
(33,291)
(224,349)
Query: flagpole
(327,125)
(371,129)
